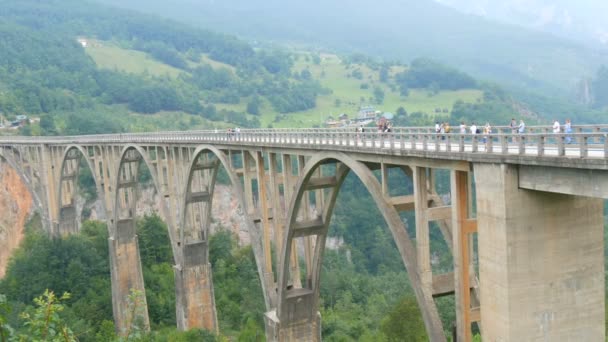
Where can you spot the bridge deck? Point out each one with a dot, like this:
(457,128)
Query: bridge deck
(588,148)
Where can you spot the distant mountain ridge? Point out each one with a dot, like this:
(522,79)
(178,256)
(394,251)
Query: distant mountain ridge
(579,20)
(398,29)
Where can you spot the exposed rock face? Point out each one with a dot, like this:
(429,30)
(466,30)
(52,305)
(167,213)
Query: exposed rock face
(15,207)
(226,213)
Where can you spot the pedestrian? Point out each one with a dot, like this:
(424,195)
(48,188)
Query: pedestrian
(442,130)
(568,130)
(463,128)
(513,126)
(487,130)
(521,129)
(437,127)
(556,128)
(473,128)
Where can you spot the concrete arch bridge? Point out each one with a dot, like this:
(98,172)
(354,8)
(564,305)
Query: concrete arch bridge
(533,201)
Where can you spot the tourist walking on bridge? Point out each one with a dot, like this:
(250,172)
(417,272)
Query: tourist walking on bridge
(568,130)
(463,128)
(521,129)
(513,126)
(556,127)
(487,130)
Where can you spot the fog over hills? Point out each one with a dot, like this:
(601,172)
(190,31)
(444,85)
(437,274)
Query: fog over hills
(584,20)
(398,29)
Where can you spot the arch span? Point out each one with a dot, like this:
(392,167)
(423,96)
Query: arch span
(209,153)
(127,174)
(67,188)
(126,269)
(302,304)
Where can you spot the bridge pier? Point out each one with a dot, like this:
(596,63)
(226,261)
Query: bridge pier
(195,301)
(301,325)
(68,220)
(127,276)
(541,261)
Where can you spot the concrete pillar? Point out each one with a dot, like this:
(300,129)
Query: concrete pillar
(127,276)
(68,220)
(195,301)
(541,261)
(302,329)
(423,247)
(463,228)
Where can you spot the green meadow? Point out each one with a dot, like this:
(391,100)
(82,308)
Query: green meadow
(346,93)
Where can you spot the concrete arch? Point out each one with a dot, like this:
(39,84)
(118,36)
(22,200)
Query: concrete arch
(256,239)
(59,182)
(404,244)
(164,209)
(126,269)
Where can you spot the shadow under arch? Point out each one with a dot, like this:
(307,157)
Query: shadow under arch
(222,159)
(307,299)
(67,188)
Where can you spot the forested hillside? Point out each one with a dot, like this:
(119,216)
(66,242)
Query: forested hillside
(398,29)
(365,291)
(45,70)
(85,68)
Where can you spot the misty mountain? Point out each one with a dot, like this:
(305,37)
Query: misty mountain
(397,29)
(583,20)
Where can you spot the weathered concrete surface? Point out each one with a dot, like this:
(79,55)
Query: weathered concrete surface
(304,330)
(541,261)
(194,290)
(127,276)
(580,182)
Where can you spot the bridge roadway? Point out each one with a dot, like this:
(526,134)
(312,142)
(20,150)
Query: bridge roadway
(534,201)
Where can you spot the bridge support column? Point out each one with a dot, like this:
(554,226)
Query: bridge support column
(306,329)
(541,261)
(68,220)
(195,301)
(127,277)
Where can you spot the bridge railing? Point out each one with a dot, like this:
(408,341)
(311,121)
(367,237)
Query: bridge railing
(586,141)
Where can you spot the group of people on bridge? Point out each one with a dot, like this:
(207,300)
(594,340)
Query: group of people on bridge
(486,130)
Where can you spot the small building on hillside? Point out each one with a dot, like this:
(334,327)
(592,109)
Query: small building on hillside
(367,112)
(20,121)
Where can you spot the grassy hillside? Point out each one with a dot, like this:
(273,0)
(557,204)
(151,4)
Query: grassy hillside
(398,29)
(143,73)
(111,57)
(345,95)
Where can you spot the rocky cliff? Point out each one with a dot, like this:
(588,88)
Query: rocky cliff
(15,207)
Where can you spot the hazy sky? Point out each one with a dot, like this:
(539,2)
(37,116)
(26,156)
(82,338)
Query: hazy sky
(586,19)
